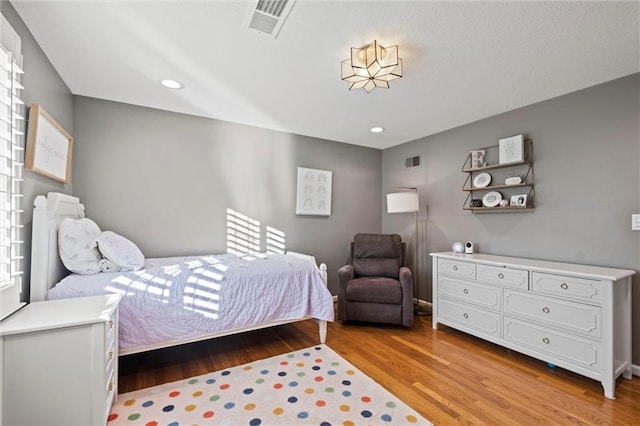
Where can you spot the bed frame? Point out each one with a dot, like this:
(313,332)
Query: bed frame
(47,268)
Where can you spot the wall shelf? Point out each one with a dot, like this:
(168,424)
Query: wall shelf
(524,169)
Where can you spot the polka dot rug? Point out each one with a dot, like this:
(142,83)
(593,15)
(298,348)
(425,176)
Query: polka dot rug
(312,386)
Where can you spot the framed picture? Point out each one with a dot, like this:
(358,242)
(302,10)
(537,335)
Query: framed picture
(49,146)
(511,149)
(314,192)
(519,200)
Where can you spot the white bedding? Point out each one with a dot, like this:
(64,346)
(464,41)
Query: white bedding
(182,298)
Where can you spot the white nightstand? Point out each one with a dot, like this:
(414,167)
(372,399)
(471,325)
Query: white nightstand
(60,362)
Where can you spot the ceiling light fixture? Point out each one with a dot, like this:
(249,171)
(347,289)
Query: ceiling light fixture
(172,84)
(377,129)
(372,66)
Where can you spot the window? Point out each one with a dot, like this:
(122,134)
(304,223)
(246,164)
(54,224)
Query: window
(11,167)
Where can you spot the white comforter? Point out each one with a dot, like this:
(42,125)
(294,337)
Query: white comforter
(183,298)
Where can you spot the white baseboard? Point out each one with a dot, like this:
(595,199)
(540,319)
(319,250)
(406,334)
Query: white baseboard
(635,370)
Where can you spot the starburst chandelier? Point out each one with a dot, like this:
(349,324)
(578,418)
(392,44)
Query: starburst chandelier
(372,66)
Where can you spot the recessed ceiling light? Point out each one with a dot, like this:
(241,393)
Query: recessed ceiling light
(377,129)
(172,84)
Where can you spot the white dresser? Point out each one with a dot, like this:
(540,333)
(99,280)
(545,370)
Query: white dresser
(60,362)
(577,317)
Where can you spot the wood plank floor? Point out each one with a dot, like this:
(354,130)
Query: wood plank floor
(447,376)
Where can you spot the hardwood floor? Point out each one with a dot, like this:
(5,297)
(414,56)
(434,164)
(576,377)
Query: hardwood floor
(447,376)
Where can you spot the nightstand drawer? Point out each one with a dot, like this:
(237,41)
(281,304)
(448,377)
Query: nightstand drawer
(109,331)
(569,287)
(573,317)
(579,351)
(457,268)
(475,318)
(479,294)
(510,277)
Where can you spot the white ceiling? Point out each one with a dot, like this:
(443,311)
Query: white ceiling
(463,61)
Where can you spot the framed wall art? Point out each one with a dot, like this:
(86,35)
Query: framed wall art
(49,146)
(511,149)
(314,192)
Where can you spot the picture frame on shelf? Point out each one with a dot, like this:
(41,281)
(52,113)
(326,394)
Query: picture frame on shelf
(519,200)
(511,150)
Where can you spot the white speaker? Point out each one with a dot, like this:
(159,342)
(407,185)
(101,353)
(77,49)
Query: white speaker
(468,247)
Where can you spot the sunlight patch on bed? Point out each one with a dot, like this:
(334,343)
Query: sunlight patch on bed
(207,273)
(173,270)
(160,289)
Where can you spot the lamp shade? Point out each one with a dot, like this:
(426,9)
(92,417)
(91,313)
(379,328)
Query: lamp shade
(403,202)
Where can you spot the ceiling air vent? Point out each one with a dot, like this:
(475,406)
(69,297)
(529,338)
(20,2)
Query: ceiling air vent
(412,162)
(268,16)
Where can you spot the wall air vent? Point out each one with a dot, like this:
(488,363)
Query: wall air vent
(268,16)
(412,162)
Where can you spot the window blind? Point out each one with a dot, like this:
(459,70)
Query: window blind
(11,169)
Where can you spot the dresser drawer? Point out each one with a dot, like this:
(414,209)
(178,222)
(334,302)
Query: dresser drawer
(579,351)
(569,316)
(458,268)
(474,318)
(479,294)
(569,287)
(510,277)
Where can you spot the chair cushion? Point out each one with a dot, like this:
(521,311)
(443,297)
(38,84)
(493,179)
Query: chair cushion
(374,290)
(377,255)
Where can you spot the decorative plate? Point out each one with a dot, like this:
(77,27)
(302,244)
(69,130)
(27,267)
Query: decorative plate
(481,180)
(491,199)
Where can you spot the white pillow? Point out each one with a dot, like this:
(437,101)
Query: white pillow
(75,238)
(121,252)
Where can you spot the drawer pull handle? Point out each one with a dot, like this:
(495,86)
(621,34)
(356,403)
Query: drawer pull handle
(111,355)
(564,286)
(110,386)
(110,323)
(465,291)
(455,267)
(501,275)
(545,310)
(466,315)
(546,340)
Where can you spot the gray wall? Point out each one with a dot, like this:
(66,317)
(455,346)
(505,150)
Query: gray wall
(165,180)
(587,185)
(42,85)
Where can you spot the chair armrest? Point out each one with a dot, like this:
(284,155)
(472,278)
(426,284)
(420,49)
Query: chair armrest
(345,274)
(405,277)
(406,281)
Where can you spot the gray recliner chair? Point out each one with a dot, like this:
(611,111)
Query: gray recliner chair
(376,286)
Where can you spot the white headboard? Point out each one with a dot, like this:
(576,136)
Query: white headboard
(46,267)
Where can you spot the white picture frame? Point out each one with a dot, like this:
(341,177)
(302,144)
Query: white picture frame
(511,149)
(313,192)
(519,200)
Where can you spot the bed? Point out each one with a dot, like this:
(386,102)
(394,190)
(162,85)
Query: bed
(177,300)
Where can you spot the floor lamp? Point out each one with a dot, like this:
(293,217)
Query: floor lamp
(407,201)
